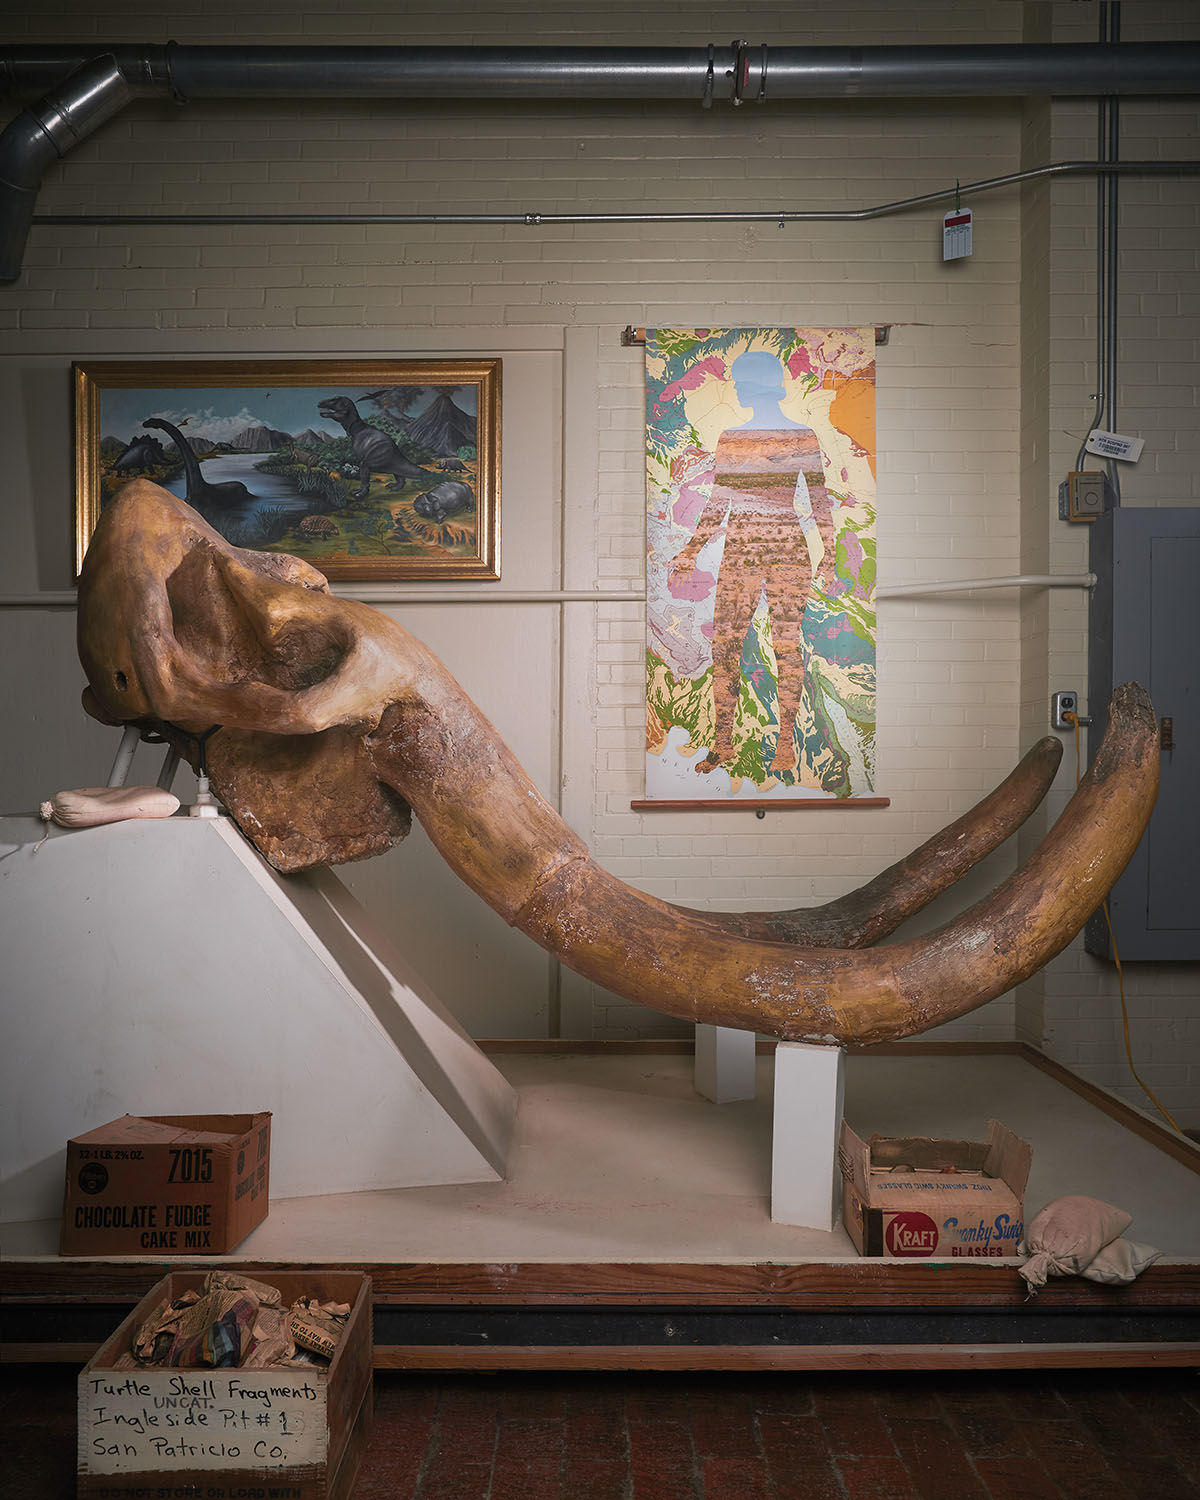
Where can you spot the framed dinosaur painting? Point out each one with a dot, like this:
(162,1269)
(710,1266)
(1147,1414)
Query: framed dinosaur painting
(373,470)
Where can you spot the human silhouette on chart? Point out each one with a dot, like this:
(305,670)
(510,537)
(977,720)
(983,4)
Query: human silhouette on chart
(768,479)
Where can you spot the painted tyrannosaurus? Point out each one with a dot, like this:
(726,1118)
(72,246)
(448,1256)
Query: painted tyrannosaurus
(374,452)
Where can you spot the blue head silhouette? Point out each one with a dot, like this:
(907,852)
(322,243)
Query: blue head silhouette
(758,384)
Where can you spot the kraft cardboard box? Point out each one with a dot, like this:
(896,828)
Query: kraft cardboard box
(931,1199)
(166,1184)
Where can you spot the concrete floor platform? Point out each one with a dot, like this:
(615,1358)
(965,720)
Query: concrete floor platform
(628,1192)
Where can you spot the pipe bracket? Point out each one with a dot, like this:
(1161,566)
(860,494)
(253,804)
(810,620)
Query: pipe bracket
(738,73)
(168,55)
(761,96)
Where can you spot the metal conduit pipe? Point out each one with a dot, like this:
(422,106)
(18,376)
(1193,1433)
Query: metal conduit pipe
(90,95)
(970,585)
(644,216)
(1111,151)
(382,593)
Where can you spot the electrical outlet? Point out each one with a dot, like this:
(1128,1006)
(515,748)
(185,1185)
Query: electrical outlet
(1062,704)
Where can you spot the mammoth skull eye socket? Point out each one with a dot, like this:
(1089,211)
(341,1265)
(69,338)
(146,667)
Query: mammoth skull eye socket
(301,656)
(237,634)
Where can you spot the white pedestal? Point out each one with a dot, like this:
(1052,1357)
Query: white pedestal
(806,1185)
(724,1063)
(160,966)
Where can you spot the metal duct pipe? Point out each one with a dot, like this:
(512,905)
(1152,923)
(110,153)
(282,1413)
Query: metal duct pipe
(978,71)
(92,94)
(95,89)
(737,73)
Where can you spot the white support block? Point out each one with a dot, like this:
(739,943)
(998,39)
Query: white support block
(724,1063)
(806,1185)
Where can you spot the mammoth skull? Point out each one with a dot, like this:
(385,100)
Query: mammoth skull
(335,722)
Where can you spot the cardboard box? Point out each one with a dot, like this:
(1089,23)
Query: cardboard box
(292,1432)
(166,1185)
(929,1199)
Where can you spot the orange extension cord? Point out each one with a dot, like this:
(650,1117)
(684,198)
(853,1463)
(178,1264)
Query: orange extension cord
(1074,718)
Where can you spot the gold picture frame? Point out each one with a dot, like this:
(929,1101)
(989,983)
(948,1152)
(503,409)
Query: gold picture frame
(373,470)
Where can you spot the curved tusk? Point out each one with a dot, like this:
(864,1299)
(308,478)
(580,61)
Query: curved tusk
(329,700)
(500,836)
(874,910)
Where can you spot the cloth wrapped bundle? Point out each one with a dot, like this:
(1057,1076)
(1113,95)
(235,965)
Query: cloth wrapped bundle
(1078,1236)
(90,806)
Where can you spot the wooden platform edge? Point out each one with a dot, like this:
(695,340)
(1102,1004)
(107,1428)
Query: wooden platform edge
(454,1357)
(833,1285)
(855,1357)
(1171,1141)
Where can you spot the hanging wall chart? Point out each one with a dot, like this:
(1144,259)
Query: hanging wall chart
(760,577)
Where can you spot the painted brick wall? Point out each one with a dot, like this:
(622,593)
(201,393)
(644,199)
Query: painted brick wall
(980,388)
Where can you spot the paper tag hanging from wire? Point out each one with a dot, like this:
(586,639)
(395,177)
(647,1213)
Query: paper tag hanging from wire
(956,234)
(1113,445)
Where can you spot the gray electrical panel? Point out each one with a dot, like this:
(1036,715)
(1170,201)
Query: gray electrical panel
(1145,627)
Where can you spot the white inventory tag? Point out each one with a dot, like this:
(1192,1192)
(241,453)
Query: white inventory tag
(1113,445)
(956,234)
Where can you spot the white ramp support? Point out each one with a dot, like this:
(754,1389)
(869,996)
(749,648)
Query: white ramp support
(724,1063)
(806,1185)
(160,966)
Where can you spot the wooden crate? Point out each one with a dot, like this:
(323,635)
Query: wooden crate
(289,1433)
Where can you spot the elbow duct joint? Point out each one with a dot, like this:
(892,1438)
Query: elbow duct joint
(43,133)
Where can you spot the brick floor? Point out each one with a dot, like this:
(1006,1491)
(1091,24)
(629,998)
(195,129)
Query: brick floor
(970,1436)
